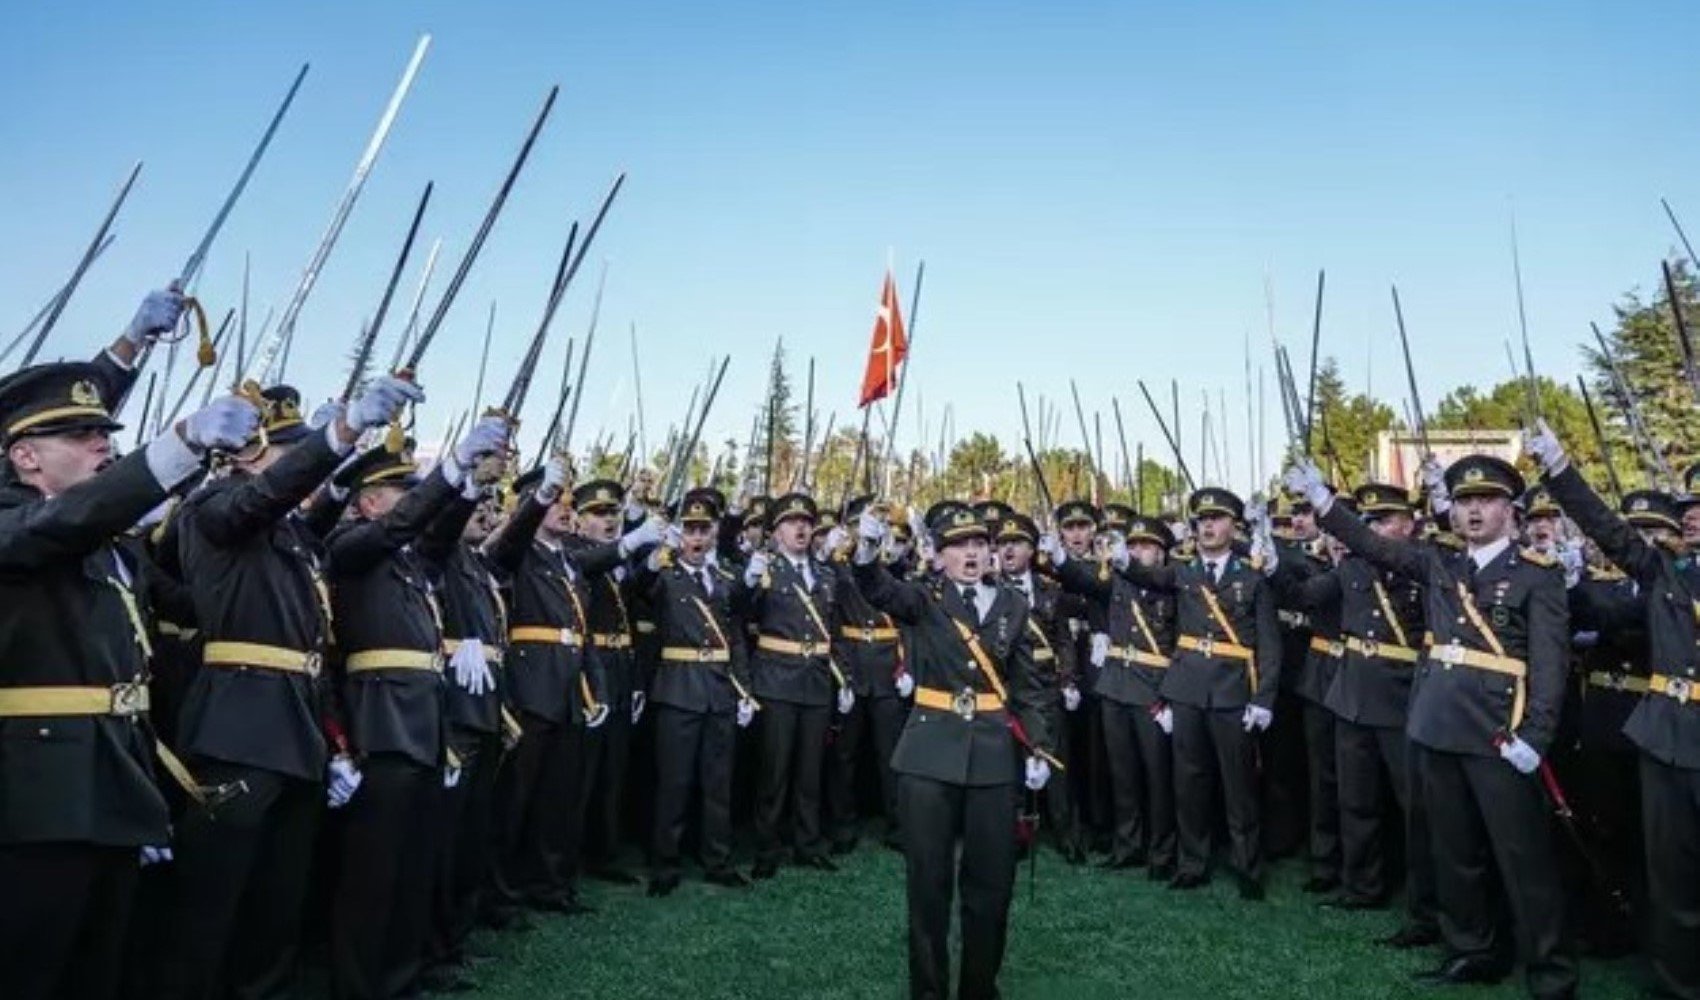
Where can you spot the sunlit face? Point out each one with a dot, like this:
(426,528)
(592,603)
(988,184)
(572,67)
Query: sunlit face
(482,522)
(557,520)
(754,537)
(966,561)
(1481,520)
(53,463)
(1146,553)
(1544,532)
(1215,532)
(1691,525)
(600,524)
(696,541)
(1015,556)
(1397,526)
(1656,534)
(1077,537)
(792,536)
(375,502)
(1303,525)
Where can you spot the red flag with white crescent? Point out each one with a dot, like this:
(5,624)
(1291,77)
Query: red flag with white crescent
(889,348)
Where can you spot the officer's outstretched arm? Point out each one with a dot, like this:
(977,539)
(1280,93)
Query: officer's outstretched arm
(235,515)
(1408,559)
(1617,538)
(360,547)
(903,600)
(506,548)
(81,519)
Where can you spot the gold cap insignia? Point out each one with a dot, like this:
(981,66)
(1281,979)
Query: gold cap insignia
(84,393)
(1640,504)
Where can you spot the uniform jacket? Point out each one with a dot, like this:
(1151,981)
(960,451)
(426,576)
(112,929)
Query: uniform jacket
(472,608)
(775,609)
(676,594)
(1115,599)
(1519,596)
(940,744)
(1212,680)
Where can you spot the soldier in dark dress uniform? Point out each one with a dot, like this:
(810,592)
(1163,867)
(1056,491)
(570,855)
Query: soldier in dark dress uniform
(390,636)
(972,658)
(699,694)
(1139,623)
(1484,706)
(787,598)
(1301,808)
(1077,527)
(258,712)
(1665,725)
(79,808)
(1220,685)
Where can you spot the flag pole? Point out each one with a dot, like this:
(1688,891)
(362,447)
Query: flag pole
(897,411)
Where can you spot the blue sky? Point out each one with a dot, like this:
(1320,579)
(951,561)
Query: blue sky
(1098,188)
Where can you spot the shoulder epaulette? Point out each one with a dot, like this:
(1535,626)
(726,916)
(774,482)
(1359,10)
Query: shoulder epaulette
(1537,557)
(1605,573)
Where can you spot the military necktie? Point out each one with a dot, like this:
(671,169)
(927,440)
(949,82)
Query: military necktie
(971,597)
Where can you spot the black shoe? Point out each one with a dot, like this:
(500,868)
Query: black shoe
(1161,873)
(502,917)
(1117,863)
(1188,881)
(764,870)
(564,903)
(1075,854)
(819,862)
(1411,936)
(1353,904)
(1462,971)
(442,979)
(1251,890)
(893,841)
(731,878)
(663,885)
(1320,884)
(614,874)
(842,847)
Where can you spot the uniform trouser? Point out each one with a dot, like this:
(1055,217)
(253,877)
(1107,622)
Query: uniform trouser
(1143,779)
(1284,779)
(605,813)
(1670,810)
(793,743)
(937,817)
(1324,797)
(64,910)
(537,790)
(1060,805)
(849,737)
(1208,740)
(1098,802)
(693,749)
(233,909)
(382,907)
(464,849)
(1490,816)
(1606,792)
(1365,754)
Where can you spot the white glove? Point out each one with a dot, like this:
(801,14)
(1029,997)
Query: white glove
(905,684)
(746,713)
(383,399)
(1520,755)
(635,510)
(1263,548)
(1117,552)
(1543,445)
(1574,561)
(846,701)
(155,856)
(871,533)
(325,413)
(225,424)
(1256,717)
(554,480)
(639,700)
(756,569)
(158,314)
(1051,547)
(451,776)
(1434,479)
(1304,479)
(674,538)
(344,781)
(488,436)
(835,538)
(1038,772)
(472,672)
(595,719)
(1100,648)
(1071,698)
(650,532)
(1165,719)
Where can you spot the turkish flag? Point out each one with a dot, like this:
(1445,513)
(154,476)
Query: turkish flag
(890,346)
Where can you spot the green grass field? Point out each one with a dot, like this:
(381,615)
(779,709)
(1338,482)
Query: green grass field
(1088,934)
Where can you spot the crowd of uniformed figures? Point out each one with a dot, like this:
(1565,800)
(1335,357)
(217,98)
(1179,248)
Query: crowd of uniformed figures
(270,699)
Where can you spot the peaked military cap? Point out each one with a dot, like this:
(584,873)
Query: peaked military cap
(1117,517)
(1076,511)
(854,506)
(1150,529)
(1651,509)
(598,496)
(792,505)
(1017,528)
(1215,500)
(700,506)
(941,510)
(1376,499)
(756,512)
(53,399)
(825,522)
(1483,475)
(1538,502)
(379,467)
(957,525)
(280,415)
(993,512)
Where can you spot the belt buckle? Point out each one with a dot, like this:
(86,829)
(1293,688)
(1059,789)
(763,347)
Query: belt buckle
(1336,648)
(1205,646)
(129,699)
(314,664)
(964,704)
(702,654)
(1371,647)
(808,647)
(438,662)
(867,634)
(1450,654)
(1681,689)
